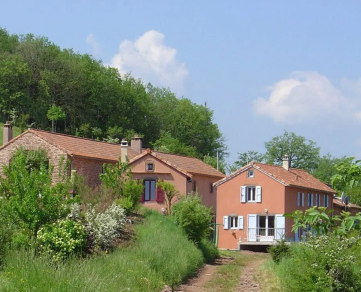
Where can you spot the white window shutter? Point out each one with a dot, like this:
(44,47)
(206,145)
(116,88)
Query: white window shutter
(303,199)
(280,226)
(225,222)
(243,194)
(298,198)
(258,194)
(240,222)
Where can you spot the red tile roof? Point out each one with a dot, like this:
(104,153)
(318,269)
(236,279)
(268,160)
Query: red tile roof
(81,146)
(338,202)
(186,165)
(292,177)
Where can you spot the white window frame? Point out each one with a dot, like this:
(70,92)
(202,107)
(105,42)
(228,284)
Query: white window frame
(251,192)
(250,173)
(232,222)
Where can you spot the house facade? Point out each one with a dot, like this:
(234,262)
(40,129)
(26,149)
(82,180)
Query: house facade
(252,201)
(86,157)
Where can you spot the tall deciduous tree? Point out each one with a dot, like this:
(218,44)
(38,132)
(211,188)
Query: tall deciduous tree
(246,157)
(302,153)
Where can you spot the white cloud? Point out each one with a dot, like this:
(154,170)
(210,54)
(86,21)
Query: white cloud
(151,60)
(307,97)
(94,44)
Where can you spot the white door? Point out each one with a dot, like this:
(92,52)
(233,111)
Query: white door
(252,227)
(280,227)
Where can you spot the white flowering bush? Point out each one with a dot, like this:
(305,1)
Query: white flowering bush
(74,212)
(61,239)
(106,226)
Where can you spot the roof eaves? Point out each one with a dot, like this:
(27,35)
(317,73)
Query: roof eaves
(148,151)
(206,174)
(14,139)
(232,175)
(93,157)
(331,191)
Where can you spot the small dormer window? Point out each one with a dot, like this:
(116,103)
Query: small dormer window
(149,166)
(251,173)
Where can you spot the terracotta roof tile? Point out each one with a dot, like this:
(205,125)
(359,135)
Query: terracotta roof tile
(82,146)
(338,202)
(292,177)
(185,164)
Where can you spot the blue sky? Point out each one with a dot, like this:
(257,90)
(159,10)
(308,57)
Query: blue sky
(262,66)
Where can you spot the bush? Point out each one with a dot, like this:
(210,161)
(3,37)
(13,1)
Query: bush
(106,226)
(193,217)
(61,239)
(323,263)
(279,251)
(210,252)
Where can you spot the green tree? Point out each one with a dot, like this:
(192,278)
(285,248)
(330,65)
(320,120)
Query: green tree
(31,199)
(302,153)
(169,144)
(246,157)
(170,193)
(55,113)
(213,162)
(326,167)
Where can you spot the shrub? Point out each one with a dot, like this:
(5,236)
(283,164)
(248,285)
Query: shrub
(210,252)
(61,239)
(278,251)
(323,263)
(193,217)
(106,226)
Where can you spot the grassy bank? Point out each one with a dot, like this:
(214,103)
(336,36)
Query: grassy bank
(161,255)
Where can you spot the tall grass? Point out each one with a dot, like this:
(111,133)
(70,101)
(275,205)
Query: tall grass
(161,255)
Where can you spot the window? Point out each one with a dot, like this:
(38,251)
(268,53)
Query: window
(325,201)
(233,222)
(194,186)
(211,188)
(149,190)
(149,166)
(251,173)
(251,194)
(300,199)
(309,200)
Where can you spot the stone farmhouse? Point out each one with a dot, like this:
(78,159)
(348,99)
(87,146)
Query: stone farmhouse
(87,157)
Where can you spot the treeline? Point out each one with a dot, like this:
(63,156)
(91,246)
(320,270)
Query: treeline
(88,99)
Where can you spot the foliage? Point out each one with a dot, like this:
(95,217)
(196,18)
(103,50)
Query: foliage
(170,193)
(95,100)
(209,250)
(326,167)
(161,254)
(318,220)
(323,263)
(212,161)
(193,217)
(303,153)
(167,143)
(279,251)
(61,239)
(247,157)
(118,180)
(106,226)
(32,200)
(348,174)
(54,114)
(6,232)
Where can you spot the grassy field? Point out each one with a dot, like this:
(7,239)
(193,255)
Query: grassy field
(160,255)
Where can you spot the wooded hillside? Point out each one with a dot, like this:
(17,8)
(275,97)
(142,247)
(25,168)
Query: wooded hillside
(37,75)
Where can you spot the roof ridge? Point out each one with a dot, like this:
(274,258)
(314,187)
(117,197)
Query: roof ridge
(71,136)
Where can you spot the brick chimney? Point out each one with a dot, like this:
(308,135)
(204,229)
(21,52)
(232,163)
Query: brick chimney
(136,144)
(7,132)
(286,162)
(124,149)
